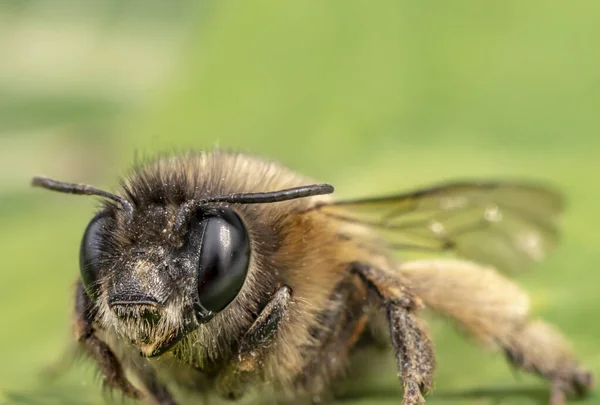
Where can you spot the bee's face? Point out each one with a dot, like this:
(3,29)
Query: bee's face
(153,283)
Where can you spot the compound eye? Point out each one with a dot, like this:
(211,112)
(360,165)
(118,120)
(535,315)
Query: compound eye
(224,258)
(89,254)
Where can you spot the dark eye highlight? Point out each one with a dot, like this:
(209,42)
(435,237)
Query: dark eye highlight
(224,259)
(89,254)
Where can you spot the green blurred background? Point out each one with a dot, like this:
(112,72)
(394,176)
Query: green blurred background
(373,97)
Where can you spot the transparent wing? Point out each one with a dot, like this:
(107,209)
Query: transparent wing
(506,224)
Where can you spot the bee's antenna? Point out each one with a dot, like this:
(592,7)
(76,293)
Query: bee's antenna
(81,189)
(253,198)
(272,196)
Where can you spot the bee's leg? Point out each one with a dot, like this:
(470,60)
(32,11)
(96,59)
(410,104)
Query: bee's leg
(112,371)
(339,326)
(539,348)
(247,361)
(157,391)
(414,349)
(495,312)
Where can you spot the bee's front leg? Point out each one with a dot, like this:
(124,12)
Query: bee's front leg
(414,349)
(110,367)
(247,361)
(159,393)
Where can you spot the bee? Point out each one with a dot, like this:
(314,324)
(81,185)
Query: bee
(223,272)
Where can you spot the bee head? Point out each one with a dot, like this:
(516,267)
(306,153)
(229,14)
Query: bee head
(155,284)
(161,266)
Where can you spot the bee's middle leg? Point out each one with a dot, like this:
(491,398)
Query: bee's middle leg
(414,349)
(246,362)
